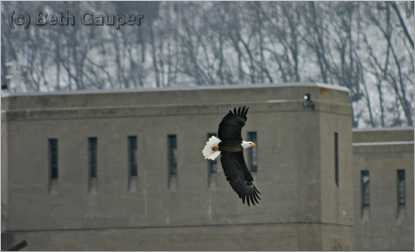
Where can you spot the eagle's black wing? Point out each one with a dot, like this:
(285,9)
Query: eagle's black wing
(230,126)
(239,177)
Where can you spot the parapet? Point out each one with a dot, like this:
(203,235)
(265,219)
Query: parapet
(153,96)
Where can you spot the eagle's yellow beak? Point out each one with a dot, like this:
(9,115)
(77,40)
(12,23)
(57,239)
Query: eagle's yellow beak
(253,145)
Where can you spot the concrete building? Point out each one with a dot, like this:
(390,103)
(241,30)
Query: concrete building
(383,167)
(123,171)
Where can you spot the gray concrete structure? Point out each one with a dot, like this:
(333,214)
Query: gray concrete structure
(304,206)
(384,224)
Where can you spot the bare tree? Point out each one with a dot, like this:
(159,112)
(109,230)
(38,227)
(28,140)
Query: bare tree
(366,47)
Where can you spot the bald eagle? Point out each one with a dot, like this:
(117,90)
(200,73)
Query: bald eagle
(230,147)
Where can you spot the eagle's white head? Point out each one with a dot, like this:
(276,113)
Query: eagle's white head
(248,144)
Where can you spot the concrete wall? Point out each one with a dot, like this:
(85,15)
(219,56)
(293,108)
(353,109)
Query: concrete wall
(302,207)
(278,236)
(383,226)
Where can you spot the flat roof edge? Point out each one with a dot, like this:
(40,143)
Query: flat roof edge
(383,143)
(383,129)
(166,89)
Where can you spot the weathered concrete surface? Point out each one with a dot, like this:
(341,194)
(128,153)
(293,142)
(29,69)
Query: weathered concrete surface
(383,152)
(218,237)
(302,207)
(383,135)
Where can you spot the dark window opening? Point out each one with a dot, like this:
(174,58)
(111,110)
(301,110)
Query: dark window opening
(252,152)
(132,156)
(92,156)
(336,158)
(365,193)
(172,155)
(401,188)
(53,158)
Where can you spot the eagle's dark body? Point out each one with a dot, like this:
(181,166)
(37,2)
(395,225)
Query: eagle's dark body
(232,158)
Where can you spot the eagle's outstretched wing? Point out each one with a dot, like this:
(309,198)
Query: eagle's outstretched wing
(239,177)
(230,126)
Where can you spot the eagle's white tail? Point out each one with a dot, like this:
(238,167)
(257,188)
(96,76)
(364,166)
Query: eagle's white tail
(208,151)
